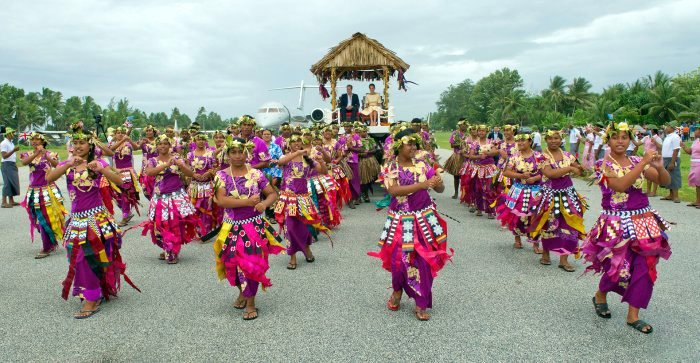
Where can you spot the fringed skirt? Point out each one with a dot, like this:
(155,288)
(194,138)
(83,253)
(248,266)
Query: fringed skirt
(202,197)
(558,220)
(519,205)
(148,183)
(127,195)
(93,240)
(466,184)
(341,179)
(413,247)
(47,215)
(625,246)
(172,222)
(347,170)
(241,253)
(324,192)
(484,194)
(296,213)
(369,170)
(454,164)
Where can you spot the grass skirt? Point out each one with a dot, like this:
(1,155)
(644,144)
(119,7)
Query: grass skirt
(44,205)
(369,170)
(454,164)
(324,192)
(172,222)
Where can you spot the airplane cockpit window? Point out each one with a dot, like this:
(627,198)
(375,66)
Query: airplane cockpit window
(262,110)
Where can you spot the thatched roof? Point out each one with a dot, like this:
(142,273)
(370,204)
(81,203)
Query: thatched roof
(358,53)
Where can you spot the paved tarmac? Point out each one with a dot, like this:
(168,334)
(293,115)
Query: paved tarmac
(493,303)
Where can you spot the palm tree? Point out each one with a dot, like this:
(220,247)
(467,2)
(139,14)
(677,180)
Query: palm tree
(659,78)
(664,103)
(579,93)
(556,93)
(601,108)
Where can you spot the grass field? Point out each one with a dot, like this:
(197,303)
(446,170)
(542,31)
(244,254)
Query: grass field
(686,193)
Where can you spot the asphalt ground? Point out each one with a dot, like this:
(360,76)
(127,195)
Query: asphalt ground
(493,303)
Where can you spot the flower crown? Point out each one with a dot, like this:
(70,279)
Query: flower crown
(122,129)
(295,138)
(510,127)
(80,135)
(552,132)
(520,137)
(482,127)
(150,128)
(246,120)
(36,135)
(462,123)
(405,140)
(285,127)
(200,136)
(346,124)
(162,138)
(614,128)
(232,144)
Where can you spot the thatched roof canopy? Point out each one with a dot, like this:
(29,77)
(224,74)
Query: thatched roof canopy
(358,53)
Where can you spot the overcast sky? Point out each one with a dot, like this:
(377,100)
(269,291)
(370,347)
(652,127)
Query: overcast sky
(225,55)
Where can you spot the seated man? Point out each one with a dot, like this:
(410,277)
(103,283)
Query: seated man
(349,102)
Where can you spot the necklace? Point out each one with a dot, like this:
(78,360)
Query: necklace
(236,193)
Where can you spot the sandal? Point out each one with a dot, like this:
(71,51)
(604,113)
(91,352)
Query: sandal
(247,315)
(640,324)
(84,314)
(422,315)
(472,210)
(567,268)
(391,306)
(161,256)
(602,309)
(518,245)
(692,205)
(291,266)
(545,262)
(6,206)
(15,204)
(491,216)
(174,261)
(537,250)
(237,304)
(311,260)
(42,254)
(479,214)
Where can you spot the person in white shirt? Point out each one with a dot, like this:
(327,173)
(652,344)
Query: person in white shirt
(536,139)
(10,176)
(670,150)
(574,139)
(598,141)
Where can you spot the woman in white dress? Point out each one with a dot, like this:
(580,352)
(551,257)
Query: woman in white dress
(372,106)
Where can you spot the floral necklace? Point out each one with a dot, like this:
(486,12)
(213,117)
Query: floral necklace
(250,180)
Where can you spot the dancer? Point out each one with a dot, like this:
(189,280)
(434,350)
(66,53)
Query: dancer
(629,237)
(246,238)
(694,174)
(483,170)
(414,240)
(148,150)
(128,195)
(295,210)
(456,160)
(519,203)
(201,188)
(322,186)
(506,149)
(43,202)
(369,166)
(335,167)
(352,145)
(92,238)
(558,221)
(172,219)
(466,180)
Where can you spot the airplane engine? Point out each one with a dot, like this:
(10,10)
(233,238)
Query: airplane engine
(321,116)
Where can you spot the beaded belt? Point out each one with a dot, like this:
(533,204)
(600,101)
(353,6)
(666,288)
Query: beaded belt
(88,213)
(626,213)
(557,190)
(405,213)
(244,221)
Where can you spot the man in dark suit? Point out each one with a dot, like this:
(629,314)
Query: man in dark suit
(349,102)
(495,134)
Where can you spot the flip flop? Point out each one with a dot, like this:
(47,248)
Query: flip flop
(691,205)
(311,260)
(640,324)
(545,262)
(518,246)
(291,266)
(567,268)
(602,309)
(89,313)
(161,256)
(6,206)
(251,312)
(424,317)
(41,255)
(393,307)
(240,307)
(676,201)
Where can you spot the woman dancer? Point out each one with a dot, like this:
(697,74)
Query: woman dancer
(629,237)
(246,238)
(694,174)
(518,206)
(334,149)
(588,157)
(148,150)
(369,166)
(352,145)
(558,221)
(467,182)
(201,188)
(506,149)
(483,170)
(414,240)
(456,160)
(92,238)
(323,188)
(172,219)
(295,210)
(43,202)
(128,195)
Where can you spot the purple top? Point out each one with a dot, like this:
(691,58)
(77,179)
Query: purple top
(241,187)
(84,191)
(353,140)
(260,152)
(394,174)
(295,175)
(529,165)
(558,183)
(281,142)
(477,148)
(457,137)
(149,150)
(39,167)
(123,157)
(201,164)
(633,198)
(168,181)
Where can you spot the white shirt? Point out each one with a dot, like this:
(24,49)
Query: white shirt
(536,139)
(632,145)
(597,141)
(7,146)
(574,133)
(671,142)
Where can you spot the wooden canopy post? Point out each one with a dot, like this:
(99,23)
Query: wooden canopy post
(334,101)
(385,69)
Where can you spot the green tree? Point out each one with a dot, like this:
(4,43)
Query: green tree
(556,93)
(664,103)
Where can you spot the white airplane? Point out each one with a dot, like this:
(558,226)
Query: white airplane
(273,114)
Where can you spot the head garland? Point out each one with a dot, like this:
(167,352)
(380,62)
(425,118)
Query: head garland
(521,137)
(405,137)
(614,128)
(246,120)
(163,138)
(238,143)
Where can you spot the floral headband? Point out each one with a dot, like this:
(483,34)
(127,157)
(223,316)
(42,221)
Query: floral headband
(510,127)
(295,138)
(614,128)
(218,133)
(405,140)
(462,123)
(36,135)
(520,137)
(200,136)
(121,129)
(150,128)
(164,138)
(551,133)
(232,144)
(285,127)
(246,120)
(76,124)
(347,124)
(482,127)
(80,135)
